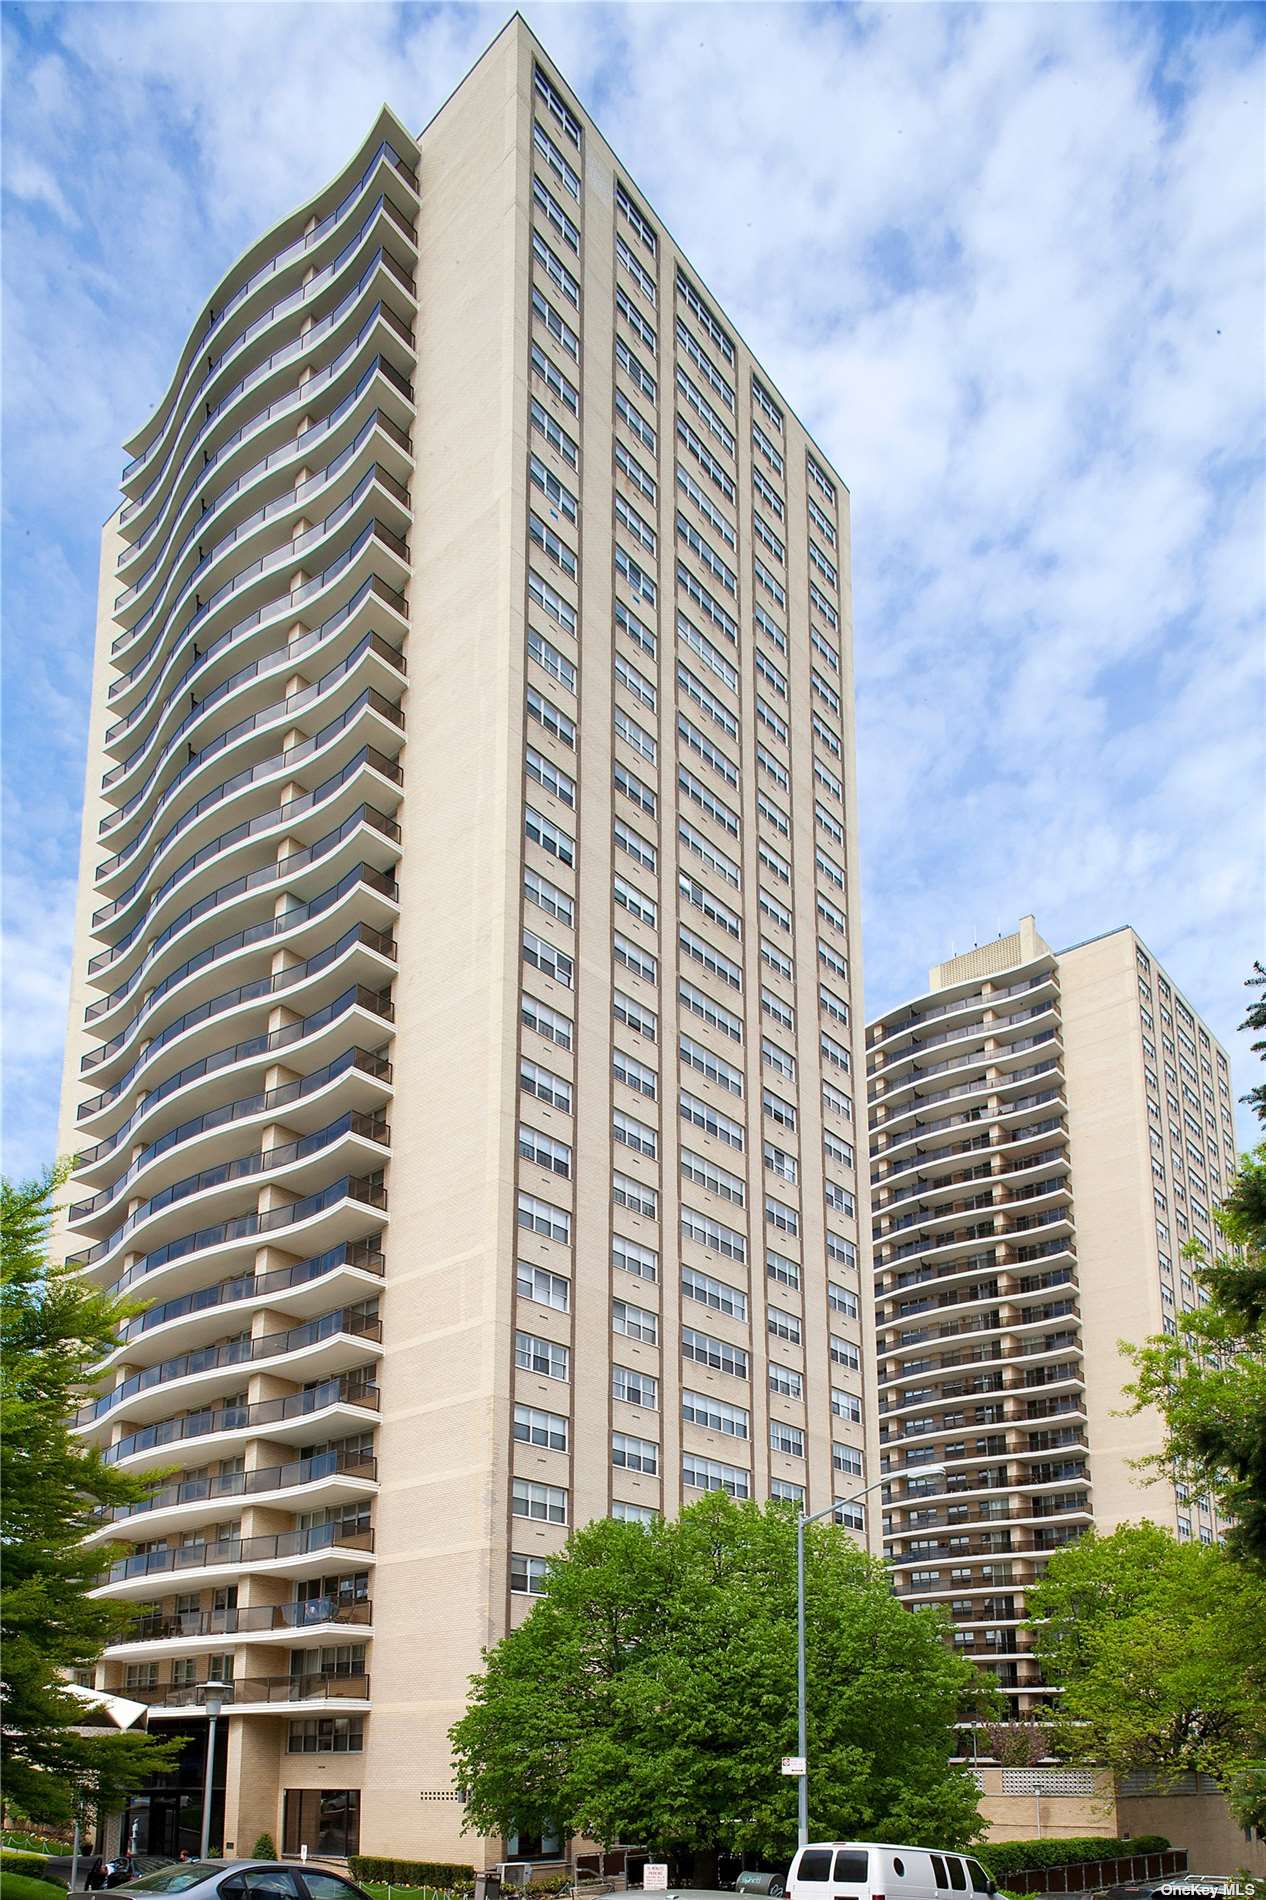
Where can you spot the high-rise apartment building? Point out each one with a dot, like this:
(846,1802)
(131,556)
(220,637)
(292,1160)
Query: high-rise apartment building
(1047,1131)
(464,1021)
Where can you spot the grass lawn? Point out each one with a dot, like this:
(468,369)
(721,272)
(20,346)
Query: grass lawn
(21,1887)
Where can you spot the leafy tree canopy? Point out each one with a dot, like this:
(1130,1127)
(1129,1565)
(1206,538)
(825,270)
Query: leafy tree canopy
(54,1327)
(1157,1647)
(1208,1380)
(650,1694)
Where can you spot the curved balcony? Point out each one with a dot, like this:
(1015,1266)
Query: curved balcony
(327,1478)
(340,690)
(376,489)
(348,1271)
(310,1694)
(251,689)
(377,845)
(359,946)
(379,276)
(378,166)
(309,1622)
(270,522)
(368,1133)
(925,1010)
(209,964)
(342,1401)
(312,289)
(230,1558)
(382,347)
(201,1367)
(359,1065)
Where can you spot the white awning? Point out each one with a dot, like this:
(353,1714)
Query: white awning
(121,1712)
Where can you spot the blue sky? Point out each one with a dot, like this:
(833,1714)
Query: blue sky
(1007,262)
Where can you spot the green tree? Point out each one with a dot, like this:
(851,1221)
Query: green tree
(650,1694)
(1208,1379)
(1256,1019)
(1157,1648)
(54,1328)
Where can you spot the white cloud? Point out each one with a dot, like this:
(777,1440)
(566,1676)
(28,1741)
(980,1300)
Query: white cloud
(1007,262)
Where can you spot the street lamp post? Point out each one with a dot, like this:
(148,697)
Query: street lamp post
(212,1701)
(802,1739)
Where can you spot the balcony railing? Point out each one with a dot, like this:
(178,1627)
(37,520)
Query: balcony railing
(238,1550)
(234,1352)
(206,1489)
(311,1686)
(257,1620)
(364,1255)
(346,1390)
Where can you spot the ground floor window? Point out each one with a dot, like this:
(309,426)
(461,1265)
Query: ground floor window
(324,1820)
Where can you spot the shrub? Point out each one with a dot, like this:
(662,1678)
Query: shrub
(265,1848)
(410,1873)
(32,1843)
(1006,1859)
(34,1866)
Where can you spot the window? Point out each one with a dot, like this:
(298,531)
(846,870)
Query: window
(554,434)
(711,1120)
(557,325)
(642,430)
(641,224)
(825,649)
(542,956)
(637,736)
(773,815)
(766,535)
(627,1010)
(712,515)
(789,1439)
(545,1021)
(555,381)
(550,777)
(546,203)
(789,1493)
(704,317)
(708,853)
(546,1503)
(778,1110)
(704,1350)
(779,1215)
(709,1474)
(702,952)
(540,1355)
(327,1735)
(834,1052)
(773,1006)
(714,470)
(641,277)
(824,566)
(551,602)
(780,1268)
(547,714)
(625,1513)
(845,1405)
(779,1162)
(786,1381)
(545,1085)
(527,1575)
(634,369)
(626,307)
(707,603)
(766,404)
(775,1057)
(708,1010)
(637,577)
(631,1257)
(717,1180)
(837,1248)
(634,1454)
(841,1300)
(629,465)
(700,644)
(782,1325)
(762,444)
(553,490)
(713,1293)
(534,1427)
(712,755)
(772,721)
(634,1387)
(634,789)
(705,412)
(696,1056)
(552,838)
(638,1198)
(706,367)
(556,270)
(845,1353)
(772,767)
(846,1458)
(819,600)
(556,664)
(631,1133)
(717,913)
(772,585)
(821,480)
(542,1217)
(633,842)
(634,1075)
(538,1283)
(325,1821)
(638,632)
(715,1415)
(554,101)
(544,144)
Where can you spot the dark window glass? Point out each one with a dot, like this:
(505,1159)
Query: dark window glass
(815,1864)
(979,1878)
(324,1886)
(958,1879)
(898,1865)
(852,1869)
(325,1820)
(938,1870)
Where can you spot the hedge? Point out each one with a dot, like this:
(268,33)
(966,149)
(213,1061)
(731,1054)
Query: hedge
(1005,1859)
(36,1865)
(410,1873)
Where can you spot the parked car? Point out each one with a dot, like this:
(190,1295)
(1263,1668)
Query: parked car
(247,1880)
(853,1870)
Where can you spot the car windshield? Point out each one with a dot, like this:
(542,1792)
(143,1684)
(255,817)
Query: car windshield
(185,1873)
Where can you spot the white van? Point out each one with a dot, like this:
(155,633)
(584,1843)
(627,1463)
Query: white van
(876,1870)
